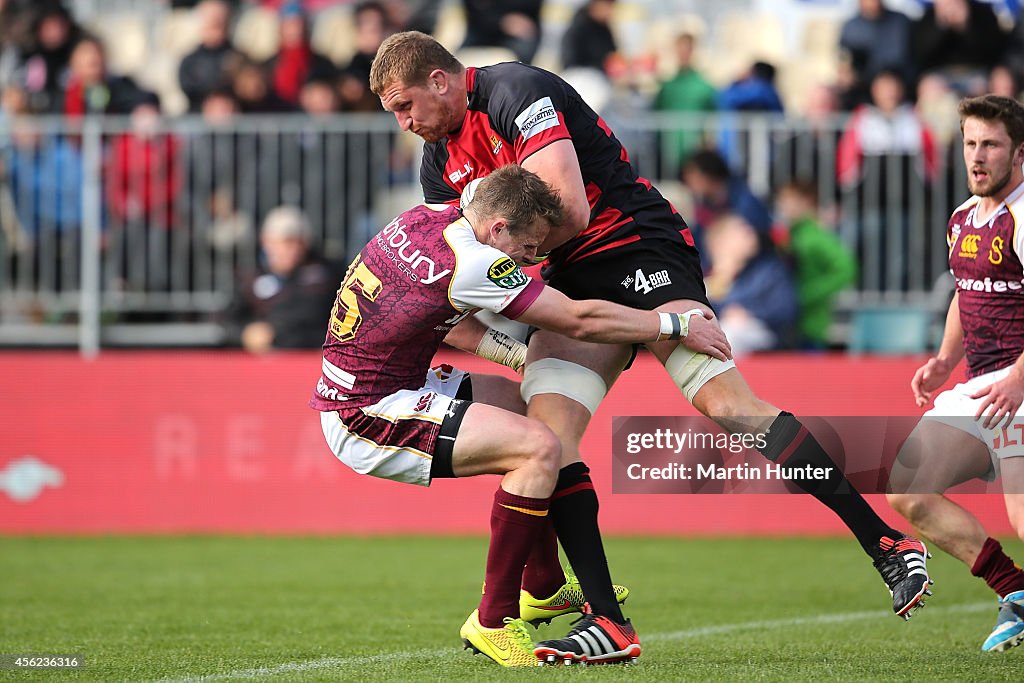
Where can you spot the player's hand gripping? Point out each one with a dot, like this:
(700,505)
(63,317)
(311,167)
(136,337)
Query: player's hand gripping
(1002,400)
(928,378)
(705,336)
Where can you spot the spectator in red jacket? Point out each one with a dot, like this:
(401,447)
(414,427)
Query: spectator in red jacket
(90,89)
(143,178)
(296,62)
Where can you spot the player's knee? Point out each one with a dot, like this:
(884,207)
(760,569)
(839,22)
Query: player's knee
(543,451)
(721,404)
(911,505)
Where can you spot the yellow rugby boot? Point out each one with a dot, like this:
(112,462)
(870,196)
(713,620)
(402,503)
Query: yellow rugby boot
(510,645)
(568,599)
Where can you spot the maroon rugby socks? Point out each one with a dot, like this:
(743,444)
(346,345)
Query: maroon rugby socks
(543,574)
(997,569)
(516,522)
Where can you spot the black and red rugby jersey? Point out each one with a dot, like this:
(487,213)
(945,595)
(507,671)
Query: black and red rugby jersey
(516,109)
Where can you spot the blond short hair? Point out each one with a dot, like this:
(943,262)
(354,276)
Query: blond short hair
(519,196)
(408,58)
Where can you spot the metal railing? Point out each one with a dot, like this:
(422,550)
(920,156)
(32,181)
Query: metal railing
(113,233)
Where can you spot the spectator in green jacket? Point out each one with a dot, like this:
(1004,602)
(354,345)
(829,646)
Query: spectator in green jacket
(687,91)
(824,266)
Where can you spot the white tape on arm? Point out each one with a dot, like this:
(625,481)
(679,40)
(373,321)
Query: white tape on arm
(501,348)
(676,325)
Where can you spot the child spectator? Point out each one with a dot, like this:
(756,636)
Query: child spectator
(90,89)
(687,91)
(824,266)
(749,286)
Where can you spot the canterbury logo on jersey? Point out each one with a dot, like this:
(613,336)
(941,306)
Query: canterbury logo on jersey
(538,117)
(395,243)
(969,246)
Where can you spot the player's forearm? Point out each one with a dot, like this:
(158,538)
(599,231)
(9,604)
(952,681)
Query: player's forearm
(608,323)
(951,350)
(466,335)
(473,336)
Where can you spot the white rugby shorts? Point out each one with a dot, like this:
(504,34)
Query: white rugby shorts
(396,437)
(956,408)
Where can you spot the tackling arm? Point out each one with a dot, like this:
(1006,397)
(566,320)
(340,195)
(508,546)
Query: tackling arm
(598,321)
(466,335)
(473,336)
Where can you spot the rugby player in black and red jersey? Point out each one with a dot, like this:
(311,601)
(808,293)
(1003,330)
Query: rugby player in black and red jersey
(621,241)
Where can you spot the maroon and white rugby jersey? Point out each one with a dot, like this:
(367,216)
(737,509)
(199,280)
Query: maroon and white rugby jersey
(406,289)
(515,110)
(985,258)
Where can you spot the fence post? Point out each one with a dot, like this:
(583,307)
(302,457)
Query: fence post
(759,156)
(89,299)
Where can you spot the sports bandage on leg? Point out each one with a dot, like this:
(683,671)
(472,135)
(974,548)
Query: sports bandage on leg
(501,348)
(676,325)
(556,376)
(690,370)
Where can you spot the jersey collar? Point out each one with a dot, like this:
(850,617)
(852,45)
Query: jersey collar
(1005,206)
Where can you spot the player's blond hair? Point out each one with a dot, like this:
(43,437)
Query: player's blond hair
(995,108)
(408,58)
(519,196)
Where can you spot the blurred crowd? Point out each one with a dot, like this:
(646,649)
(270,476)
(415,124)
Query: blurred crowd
(774,263)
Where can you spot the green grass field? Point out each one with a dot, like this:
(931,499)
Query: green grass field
(387,609)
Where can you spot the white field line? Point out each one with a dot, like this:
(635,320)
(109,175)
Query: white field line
(340,663)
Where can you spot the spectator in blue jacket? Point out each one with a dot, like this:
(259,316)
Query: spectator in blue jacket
(717,191)
(750,287)
(753,91)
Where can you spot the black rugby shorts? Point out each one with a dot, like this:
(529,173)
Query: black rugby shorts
(643,274)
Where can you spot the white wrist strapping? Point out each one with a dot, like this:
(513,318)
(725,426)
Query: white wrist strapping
(676,325)
(501,348)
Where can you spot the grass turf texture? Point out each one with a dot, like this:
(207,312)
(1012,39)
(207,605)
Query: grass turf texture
(387,609)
